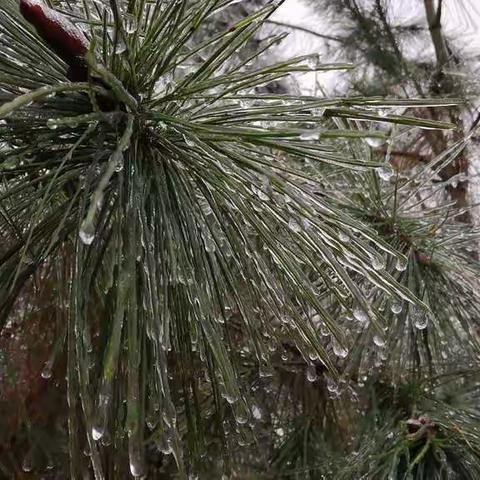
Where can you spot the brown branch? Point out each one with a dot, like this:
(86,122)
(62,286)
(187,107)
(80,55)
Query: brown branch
(435,27)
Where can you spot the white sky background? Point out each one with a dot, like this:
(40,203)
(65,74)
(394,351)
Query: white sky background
(460,21)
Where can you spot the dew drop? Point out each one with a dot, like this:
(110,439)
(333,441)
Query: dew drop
(339,350)
(311,373)
(257,413)
(378,262)
(27,464)
(294,226)
(97,432)
(419,318)
(231,399)
(190,143)
(360,315)
(386,172)
(312,62)
(240,417)
(401,264)
(120,47)
(396,307)
(244,104)
(47,371)
(52,124)
(136,468)
(262,195)
(264,371)
(130,24)
(344,237)
(309,135)
(379,341)
(421,322)
(332,386)
(87,232)
(374,142)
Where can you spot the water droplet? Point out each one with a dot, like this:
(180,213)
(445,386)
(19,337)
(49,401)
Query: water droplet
(339,350)
(190,143)
(360,315)
(231,399)
(401,264)
(311,373)
(294,226)
(421,322)
(396,307)
(240,416)
(374,142)
(419,318)
(130,23)
(324,332)
(209,243)
(345,238)
(257,413)
(47,371)
(52,124)
(27,464)
(136,468)
(120,47)
(386,172)
(378,262)
(332,386)
(264,371)
(97,432)
(244,103)
(312,62)
(262,195)
(309,135)
(379,341)
(118,168)
(87,232)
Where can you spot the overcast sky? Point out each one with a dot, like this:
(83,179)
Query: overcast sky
(460,20)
